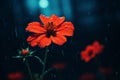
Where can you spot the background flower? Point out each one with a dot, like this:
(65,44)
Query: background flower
(15,76)
(87,76)
(59,65)
(91,51)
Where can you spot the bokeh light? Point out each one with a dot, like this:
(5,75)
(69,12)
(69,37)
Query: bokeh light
(43,3)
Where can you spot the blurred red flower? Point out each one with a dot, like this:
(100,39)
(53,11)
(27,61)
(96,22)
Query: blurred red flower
(91,51)
(105,70)
(15,76)
(54,29)
(98,47)
(24,52)
(88,54)
(59,65)
(87,76)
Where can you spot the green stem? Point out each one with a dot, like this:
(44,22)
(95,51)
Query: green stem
(45,72)
(39,60)
(29,70)
(45,59)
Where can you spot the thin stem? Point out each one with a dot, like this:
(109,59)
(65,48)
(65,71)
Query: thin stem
(45,59)
(39,60)
(29,70)
(50,69)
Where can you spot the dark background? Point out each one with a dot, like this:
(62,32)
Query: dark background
(93,20)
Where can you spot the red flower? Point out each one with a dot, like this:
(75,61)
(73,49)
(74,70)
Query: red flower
(87,76)
(88,54)
(98,47)
(54,29)
(15,76)
(59,65)
(24,52)
(91,51)
(105,70)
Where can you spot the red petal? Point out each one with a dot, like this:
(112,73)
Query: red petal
(83,55)
(96,43)
(66,29)
(44,42)
(89,48)
(56,20)
(58,39)
(30,38)
(98,47)
(44,19)
(35,41)
(87,59)
(35,27)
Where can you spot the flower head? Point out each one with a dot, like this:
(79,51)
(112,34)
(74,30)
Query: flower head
(87,76)
(91,51)
(15,76)
(53,29)
(25,52)
(88,54)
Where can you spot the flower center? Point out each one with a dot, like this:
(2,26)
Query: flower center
(90,53)
(50,27)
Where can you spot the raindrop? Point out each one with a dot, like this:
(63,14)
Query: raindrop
(16,34)
(116,73)
(106,39)
(108,25)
